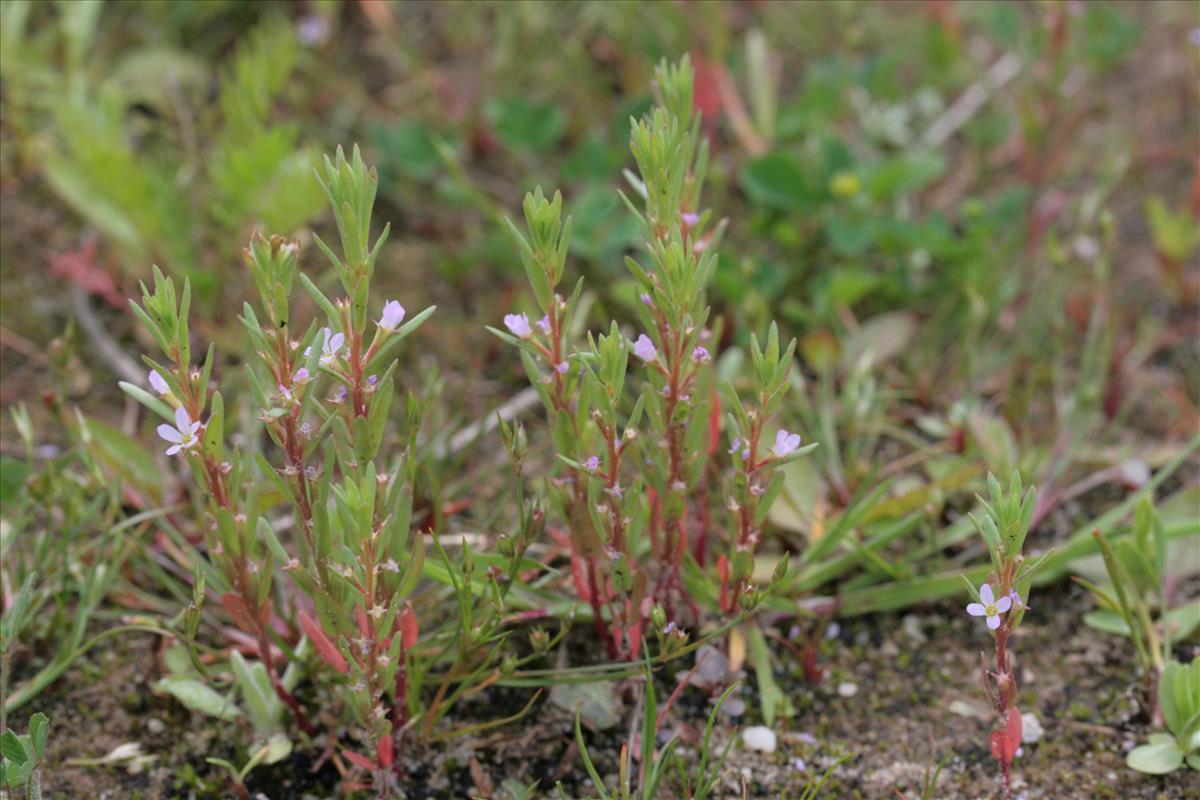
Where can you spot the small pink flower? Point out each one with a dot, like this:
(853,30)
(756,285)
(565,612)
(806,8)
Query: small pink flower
(1016,599)
(644,349)
(785,443)
(700,355)
(544,324)
(183,435)
(393,315)
(592,464)
(157,383)
(689,220)
(331,345)
(990,607)
(518,324)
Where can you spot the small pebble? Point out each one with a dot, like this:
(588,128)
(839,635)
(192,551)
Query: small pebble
(911,627)
(847,689)
(1031,728)
(760,738)
(155,726)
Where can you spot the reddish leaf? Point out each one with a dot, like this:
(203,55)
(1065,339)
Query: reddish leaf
(316,635)
(408,627)
(1003,748)
(635,639)
(364,626)
(237,608)
(581,584)
(706,96)
(1012,726)
(359,760)
(384,750)
(81,268)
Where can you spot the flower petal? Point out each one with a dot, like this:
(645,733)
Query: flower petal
(182,420)
(1004,604)
(993,622)
(169,433)
(986,595)
(174,449)
(976,609)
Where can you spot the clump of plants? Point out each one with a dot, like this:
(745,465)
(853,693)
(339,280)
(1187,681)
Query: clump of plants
(1179,699)
(644,470)
(23,756)
(1138,602)
(342,463)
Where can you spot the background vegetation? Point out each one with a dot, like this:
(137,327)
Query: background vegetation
(978,219)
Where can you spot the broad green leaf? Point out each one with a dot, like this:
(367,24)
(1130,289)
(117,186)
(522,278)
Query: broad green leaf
(126,457)
(524,124)
(1182,621)
(12,477)
(262,706)
(39,729)
(1107,622)
(775,181)
(883,337)
(11,747)
(199,697)
(595,702)
(1158,758)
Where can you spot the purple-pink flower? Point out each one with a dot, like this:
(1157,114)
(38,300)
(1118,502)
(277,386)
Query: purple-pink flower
(592,464)
(990,607)
(644,349)
(689,219)
(785,443)
(544,324)
(518,324)
(701,354)
(157,383)
(183,435)
(331,345)
(393,315)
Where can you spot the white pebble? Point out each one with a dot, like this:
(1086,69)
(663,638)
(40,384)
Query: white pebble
(911,627)
(760,738)
(1031,728)
(847,689)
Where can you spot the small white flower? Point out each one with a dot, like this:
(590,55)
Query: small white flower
(331,345)
(990,607)
(183,435)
